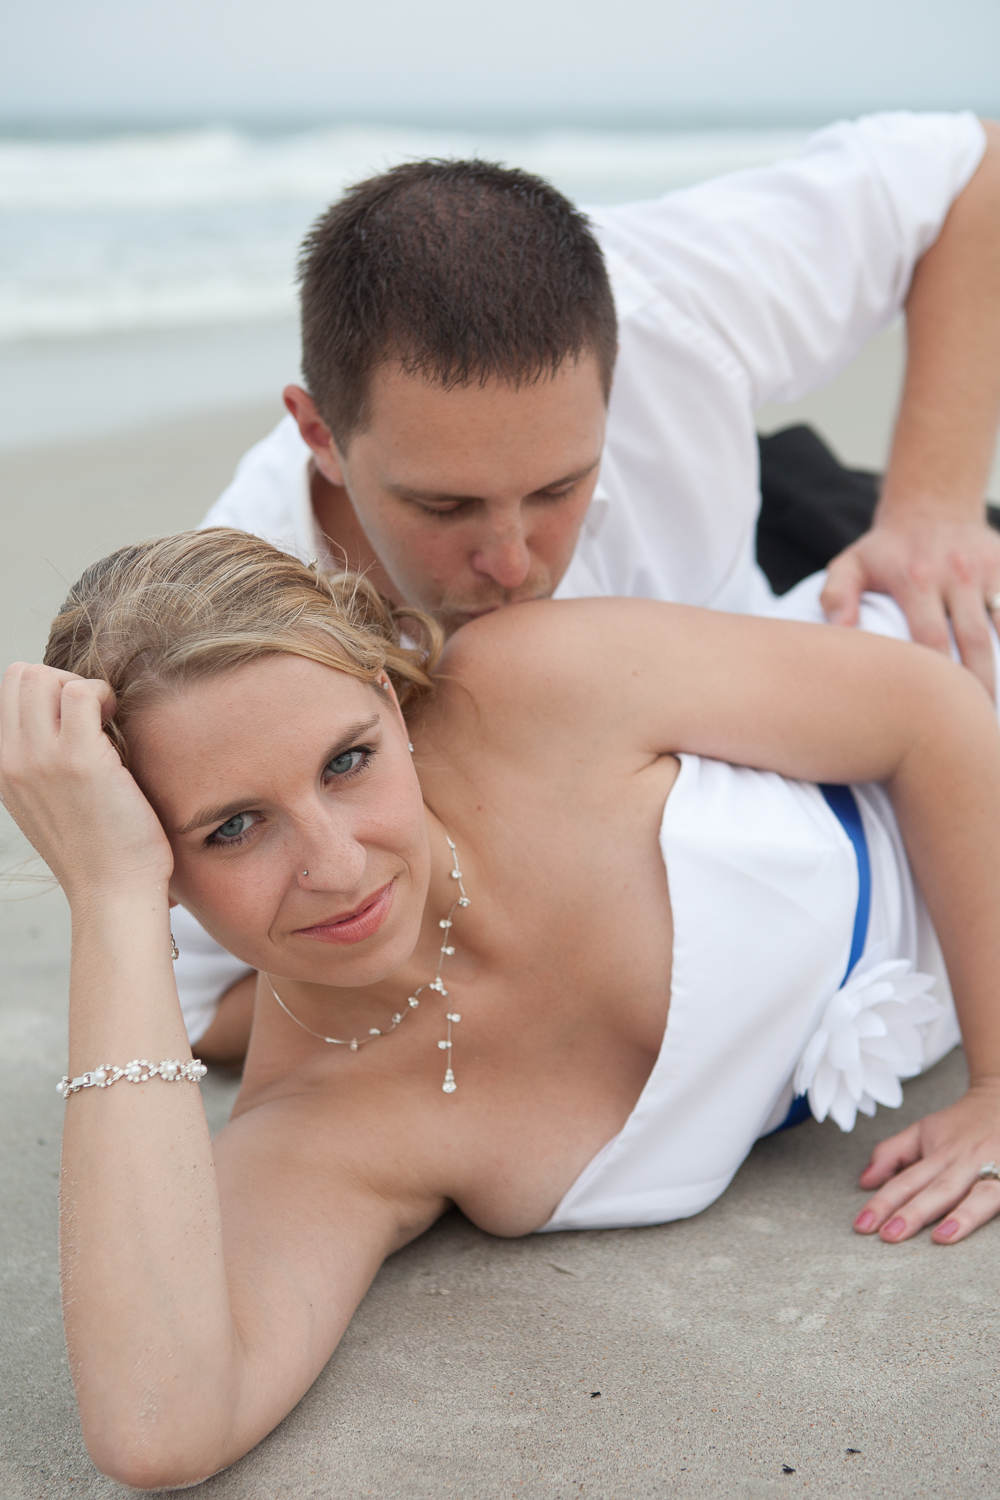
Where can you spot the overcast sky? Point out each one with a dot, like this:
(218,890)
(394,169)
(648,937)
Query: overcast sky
(682,60)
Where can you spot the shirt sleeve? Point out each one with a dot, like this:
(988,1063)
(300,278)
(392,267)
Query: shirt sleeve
(791,269)
(269,495)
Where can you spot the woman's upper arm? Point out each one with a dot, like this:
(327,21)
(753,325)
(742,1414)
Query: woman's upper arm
(814,702)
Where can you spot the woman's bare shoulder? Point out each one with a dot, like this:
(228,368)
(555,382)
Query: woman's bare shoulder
(528,649)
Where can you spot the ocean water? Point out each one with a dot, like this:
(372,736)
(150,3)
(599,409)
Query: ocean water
(144,230)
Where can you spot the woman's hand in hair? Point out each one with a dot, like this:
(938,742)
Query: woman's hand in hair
(62,781)
(931,1172)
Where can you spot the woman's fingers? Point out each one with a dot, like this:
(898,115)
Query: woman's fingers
(975,1209)
(10,716)
(67,788)
(895,1194)
(891,1156)
(33,700)
(923,1193)
(41,690)
(949,1195)
(83,707)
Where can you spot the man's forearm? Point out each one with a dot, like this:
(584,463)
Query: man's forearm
(930,546)
(947,424)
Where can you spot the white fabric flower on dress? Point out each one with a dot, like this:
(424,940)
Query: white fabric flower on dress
(870,1036)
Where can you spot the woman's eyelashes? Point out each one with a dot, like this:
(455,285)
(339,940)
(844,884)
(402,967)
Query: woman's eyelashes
(349,762)
(235,830)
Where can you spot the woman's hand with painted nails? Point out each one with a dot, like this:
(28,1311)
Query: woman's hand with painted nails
(63,783)
(931,1171)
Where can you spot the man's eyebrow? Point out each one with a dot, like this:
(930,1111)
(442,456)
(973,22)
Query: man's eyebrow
(222,812)
(407,491)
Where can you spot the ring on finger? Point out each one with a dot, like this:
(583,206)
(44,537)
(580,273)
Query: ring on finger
(989,1169)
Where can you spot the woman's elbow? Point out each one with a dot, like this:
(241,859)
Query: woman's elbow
(159,1461)
(144,1470)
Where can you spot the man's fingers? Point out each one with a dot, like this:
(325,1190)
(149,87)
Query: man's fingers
(970,621)
(926,616)
(845,583)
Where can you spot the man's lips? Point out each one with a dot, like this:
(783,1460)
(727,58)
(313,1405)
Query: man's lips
(357,925)
(490,609)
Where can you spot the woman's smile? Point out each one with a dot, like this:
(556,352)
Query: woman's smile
(356,925)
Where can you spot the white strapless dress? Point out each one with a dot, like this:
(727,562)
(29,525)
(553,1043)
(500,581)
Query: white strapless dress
(763,889)
(763,886)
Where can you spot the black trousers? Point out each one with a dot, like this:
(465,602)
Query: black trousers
(812,506)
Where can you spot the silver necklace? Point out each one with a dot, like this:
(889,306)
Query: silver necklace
(451,1018)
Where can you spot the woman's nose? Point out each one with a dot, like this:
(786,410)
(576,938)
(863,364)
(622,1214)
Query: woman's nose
(330,859)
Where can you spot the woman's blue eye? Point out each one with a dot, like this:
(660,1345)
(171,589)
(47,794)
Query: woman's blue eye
(234,826)
(347,760)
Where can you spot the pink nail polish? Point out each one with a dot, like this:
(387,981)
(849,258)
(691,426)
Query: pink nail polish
(894,1227)
(864,1221)
(947,1229)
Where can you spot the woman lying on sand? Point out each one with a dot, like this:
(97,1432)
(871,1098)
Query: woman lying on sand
(555,961)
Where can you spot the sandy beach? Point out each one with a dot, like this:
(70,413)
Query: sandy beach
(756,1350)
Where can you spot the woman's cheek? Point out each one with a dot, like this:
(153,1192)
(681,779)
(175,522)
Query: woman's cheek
(226,897)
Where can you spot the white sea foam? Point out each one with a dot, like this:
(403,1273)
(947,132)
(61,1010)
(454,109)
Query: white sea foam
(186,228)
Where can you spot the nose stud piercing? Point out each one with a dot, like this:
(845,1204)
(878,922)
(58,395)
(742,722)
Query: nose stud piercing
(305,872)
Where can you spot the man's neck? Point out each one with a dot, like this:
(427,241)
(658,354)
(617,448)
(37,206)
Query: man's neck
(336,518)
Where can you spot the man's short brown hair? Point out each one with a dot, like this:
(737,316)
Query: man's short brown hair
(462,271)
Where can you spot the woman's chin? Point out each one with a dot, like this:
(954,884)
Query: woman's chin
(314,961)
(306,961)
(318,955)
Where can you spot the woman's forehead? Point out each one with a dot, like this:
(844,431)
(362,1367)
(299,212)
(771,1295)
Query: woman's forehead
(273,701)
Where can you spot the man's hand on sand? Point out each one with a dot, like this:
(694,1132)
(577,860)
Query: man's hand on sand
(937,571)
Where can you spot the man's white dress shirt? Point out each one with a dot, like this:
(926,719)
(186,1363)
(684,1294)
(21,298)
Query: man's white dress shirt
(758,286)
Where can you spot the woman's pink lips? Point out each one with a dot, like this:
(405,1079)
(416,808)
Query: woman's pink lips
(358,926)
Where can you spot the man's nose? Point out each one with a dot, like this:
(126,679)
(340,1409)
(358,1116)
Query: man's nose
(504,556)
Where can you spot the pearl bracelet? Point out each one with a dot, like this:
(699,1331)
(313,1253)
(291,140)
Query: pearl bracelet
(137,1071)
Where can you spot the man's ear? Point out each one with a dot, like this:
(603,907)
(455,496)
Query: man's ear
(314,432)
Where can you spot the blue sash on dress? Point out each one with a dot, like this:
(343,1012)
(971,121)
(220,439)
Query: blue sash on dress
(843,803)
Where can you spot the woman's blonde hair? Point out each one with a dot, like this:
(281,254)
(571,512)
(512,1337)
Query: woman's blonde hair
(154,616)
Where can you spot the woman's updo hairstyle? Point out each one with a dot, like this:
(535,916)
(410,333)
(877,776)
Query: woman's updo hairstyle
(152,617)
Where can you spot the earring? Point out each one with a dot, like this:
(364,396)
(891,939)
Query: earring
(175,952)
(409,746)
(386,686)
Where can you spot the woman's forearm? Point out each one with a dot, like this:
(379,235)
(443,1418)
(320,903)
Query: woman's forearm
(153,1350)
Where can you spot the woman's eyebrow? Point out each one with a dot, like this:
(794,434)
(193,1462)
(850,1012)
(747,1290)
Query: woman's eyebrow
(222,812)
